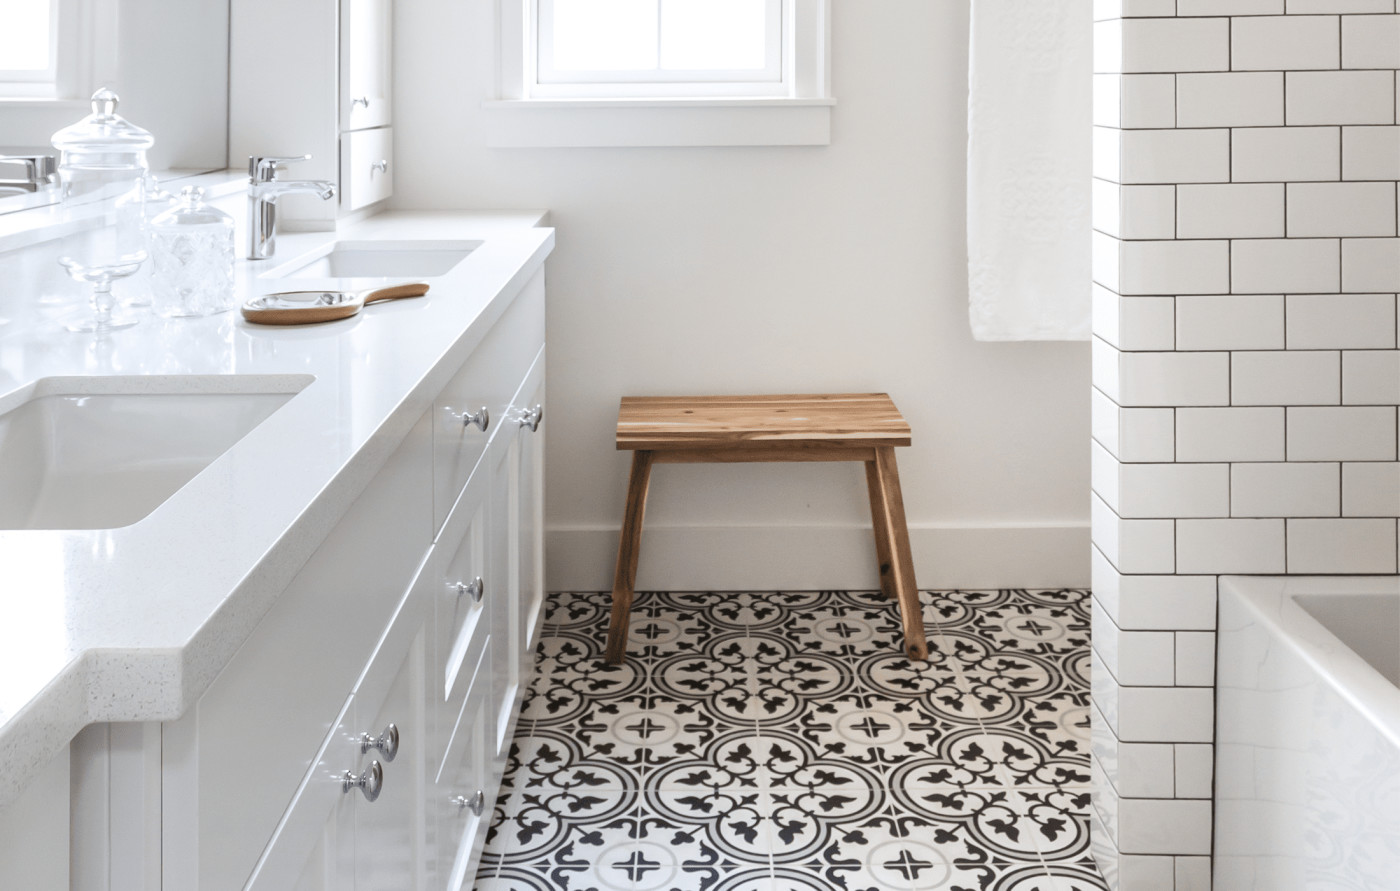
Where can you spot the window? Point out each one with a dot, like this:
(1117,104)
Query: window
(658,48)
(55,51)
(28,47)
(661,73)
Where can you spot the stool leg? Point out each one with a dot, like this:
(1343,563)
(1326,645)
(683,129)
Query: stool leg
(629,548)
(906,590)
(880,522)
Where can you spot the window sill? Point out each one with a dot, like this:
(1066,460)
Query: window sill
(42,102)
(637,123)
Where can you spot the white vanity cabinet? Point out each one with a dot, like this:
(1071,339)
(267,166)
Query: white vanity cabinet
(316,691)
(396,620)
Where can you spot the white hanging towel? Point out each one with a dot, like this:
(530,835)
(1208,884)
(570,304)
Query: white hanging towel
(1029,119)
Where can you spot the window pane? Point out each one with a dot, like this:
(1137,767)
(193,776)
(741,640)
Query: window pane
(604,35)
(24,35)
(724,35)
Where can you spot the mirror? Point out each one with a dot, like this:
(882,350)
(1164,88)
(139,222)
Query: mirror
(167,61)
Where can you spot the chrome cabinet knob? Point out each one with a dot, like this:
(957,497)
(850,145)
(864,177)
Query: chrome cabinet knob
(370,783)
(532,417)
(476,803)
(380,166)
(476,588)
(387,742)
(360,100)
(480,419)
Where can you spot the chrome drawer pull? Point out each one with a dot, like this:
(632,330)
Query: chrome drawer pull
(476,804)
(387,742)
(531,418)
(360,100)
(371,782)
(481,419)
(476,588)
(380,166)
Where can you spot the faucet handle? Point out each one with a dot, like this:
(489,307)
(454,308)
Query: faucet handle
(263,169)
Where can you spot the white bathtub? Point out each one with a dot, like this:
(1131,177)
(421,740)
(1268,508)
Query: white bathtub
(1307,789)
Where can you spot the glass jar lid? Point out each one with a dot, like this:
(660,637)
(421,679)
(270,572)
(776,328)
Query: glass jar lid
(190,210)
(104,138)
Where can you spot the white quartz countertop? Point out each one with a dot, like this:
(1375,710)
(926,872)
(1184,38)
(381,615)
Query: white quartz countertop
(133,624)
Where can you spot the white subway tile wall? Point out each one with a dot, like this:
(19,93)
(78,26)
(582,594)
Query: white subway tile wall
(1285,154)
(1230,322)
(1371,490)
(1231,99)
(1246,369)
(1370,153)
(1230,434)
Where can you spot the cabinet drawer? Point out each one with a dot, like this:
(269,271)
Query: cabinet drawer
(366,167)
(467,591)
(487,379)
(465,775)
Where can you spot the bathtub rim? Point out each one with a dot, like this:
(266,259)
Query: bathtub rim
(1270,600)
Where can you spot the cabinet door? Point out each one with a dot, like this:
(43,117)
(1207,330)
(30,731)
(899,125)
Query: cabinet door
(366,38)
(389,830)
(527,524)
(505,674)
(463,794)
(34,830)
(313,847)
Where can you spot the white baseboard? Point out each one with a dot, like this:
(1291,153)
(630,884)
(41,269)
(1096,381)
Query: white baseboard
(796,558)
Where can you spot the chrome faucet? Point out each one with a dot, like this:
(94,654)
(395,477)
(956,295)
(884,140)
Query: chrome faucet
(264,188)
(40,172)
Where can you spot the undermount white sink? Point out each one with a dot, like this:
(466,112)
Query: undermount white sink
(379,259)
(101,460)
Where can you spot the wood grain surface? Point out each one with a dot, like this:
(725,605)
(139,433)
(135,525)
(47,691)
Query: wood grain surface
(852,420)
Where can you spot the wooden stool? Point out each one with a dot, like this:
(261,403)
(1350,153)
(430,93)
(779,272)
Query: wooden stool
(734,429)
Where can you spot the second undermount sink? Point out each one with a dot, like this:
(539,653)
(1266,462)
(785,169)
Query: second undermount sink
(71,459)
(379,259)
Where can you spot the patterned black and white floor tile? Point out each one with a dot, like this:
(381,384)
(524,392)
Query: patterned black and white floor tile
(781,741)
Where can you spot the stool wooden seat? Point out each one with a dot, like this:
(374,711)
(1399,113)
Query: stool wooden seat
(735,429)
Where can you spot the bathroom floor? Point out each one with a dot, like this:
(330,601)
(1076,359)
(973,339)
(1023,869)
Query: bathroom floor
(780,741)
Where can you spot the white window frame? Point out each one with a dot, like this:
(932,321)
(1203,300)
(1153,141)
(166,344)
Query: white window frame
(795,110)
(82,56)
(545,81)
(37,83)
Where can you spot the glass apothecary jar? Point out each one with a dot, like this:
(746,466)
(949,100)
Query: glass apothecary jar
(103,159)
(192,258)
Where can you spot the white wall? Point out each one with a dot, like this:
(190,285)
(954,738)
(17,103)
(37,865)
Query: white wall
(731,270)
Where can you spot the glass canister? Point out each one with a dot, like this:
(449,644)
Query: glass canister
(103,159)
(192,258)
(103,155)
